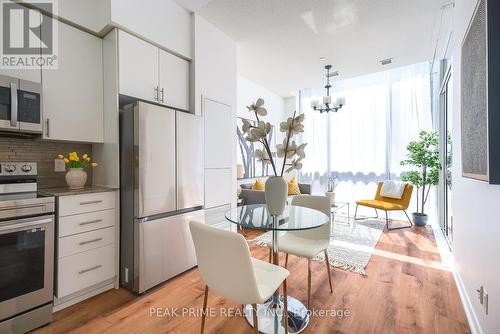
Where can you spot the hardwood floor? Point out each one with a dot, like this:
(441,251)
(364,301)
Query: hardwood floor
(407,290)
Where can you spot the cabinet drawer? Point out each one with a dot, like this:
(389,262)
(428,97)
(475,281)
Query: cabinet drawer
(215,216)
(72,205)
(86,222)
(86,241)
(85,269)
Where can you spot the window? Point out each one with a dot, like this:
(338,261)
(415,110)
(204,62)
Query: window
(364,141)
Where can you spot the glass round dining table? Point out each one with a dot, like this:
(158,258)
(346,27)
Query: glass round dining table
(293,218)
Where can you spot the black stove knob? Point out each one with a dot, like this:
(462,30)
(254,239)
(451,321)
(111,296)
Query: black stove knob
(26,168)
(10,168)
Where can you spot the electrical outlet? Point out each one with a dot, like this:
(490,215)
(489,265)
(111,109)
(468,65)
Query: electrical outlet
(59,165)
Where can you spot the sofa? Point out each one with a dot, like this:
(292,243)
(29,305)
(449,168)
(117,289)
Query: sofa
(250,196)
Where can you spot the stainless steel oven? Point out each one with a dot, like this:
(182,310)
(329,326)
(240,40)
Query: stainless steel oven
(20,106)
(26,250)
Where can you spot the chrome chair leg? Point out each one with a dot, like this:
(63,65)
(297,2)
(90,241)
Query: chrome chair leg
(204,314)
(362,218)
(328,269)
(308,283)
(255,320)
(399,227)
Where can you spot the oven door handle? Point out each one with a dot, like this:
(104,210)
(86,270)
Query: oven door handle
(19,207)
(24,226)
(13,105)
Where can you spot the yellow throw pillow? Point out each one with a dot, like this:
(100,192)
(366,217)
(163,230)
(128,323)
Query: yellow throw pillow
(259,185)
(293,187)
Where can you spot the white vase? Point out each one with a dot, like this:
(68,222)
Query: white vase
(76,178)
(331,195)
(276,194)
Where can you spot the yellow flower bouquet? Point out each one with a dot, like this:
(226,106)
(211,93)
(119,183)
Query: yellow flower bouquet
(76,176)
(74,161)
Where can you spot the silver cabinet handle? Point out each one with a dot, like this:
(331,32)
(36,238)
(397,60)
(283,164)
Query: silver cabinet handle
(13,104)
(90,269)
(90,202)
(156,93)
(90,222)
(162,95)
(89,241)
(48,126)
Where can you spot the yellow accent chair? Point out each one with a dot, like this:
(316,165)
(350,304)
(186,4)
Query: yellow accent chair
(388,204)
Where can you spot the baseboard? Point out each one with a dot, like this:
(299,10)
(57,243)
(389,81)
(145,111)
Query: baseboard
(62,303)
(474,325)
(448,261)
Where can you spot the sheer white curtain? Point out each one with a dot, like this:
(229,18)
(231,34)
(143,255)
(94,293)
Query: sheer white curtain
(364,142)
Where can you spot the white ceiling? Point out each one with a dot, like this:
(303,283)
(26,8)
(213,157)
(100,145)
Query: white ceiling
(280,41)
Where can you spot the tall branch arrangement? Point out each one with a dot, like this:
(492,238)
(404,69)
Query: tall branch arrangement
(291,153)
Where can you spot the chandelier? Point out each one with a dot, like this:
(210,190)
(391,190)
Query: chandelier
(327,104)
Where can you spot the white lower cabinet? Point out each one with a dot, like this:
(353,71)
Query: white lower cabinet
(86,241)
(215,217)
(79,271)
(87,246)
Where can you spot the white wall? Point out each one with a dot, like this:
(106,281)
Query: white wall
(93,15)
(290,106)
(476,224)
(249,92)
(108,153)
(163,22)
(214,64)
(215,57)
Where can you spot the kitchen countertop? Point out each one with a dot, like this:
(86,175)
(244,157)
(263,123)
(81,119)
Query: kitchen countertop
(65,191)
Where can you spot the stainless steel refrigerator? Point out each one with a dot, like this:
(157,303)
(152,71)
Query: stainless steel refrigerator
(161,187)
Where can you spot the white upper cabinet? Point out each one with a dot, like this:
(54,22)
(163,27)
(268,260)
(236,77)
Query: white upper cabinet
(174,81)
(152,74)
(72,103)
(138,67)
(35,73)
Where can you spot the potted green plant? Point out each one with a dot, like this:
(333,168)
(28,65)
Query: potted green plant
(423,154)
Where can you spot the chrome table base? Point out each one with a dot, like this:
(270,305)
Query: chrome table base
(270,316)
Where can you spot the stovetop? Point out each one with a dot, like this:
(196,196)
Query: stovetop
(18,192)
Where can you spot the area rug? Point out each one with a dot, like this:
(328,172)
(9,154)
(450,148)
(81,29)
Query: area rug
(351,244)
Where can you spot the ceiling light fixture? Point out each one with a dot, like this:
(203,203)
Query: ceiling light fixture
(327,104)
(322,58)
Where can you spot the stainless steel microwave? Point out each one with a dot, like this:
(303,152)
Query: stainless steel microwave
(20,105)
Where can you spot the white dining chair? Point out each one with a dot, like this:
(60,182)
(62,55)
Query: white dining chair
(309,243)
(227,267)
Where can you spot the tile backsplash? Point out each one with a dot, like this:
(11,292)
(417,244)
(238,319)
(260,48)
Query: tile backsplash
(43,153)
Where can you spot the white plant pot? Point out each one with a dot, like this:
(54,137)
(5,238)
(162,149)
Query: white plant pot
(331,195)
(276,194)
(76,178)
